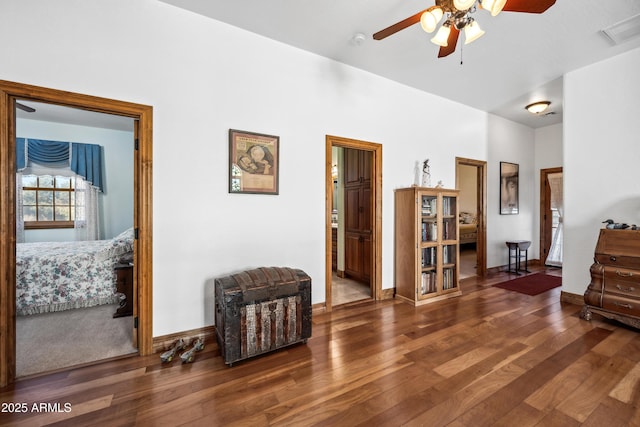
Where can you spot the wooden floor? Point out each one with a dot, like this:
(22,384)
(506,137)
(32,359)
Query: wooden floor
(488,358)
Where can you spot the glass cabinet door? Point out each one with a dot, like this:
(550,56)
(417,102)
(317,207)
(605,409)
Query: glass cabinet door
(449,218)
(428,212)
(449,270)
(428,270)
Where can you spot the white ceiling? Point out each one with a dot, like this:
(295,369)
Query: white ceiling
(74,116)
(521,58)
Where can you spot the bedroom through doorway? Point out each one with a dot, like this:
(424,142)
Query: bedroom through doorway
(471,181)
(74,237)
(141,271)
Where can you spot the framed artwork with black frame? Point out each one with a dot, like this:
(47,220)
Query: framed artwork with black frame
(509,188)
(253,162)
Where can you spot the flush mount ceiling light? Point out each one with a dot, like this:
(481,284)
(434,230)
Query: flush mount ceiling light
(538,107)
(456,16)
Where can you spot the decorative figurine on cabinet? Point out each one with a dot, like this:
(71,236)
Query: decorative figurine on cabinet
(612,225)
(417,174)
(426,174)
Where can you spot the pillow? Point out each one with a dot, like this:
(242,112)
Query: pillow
(126,235)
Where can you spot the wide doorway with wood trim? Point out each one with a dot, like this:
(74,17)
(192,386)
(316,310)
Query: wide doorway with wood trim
(471,180)
(353,220)
(13,93)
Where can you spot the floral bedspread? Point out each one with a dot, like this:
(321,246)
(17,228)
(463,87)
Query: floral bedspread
(56,276)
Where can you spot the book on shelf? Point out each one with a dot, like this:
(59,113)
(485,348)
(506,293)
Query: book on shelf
(429,232)
(428,284)
(448,278)
(428,257)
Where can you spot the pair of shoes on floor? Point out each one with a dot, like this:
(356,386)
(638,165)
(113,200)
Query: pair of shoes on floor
(187,356)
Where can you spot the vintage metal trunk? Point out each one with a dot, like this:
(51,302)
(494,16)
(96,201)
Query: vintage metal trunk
(261,310)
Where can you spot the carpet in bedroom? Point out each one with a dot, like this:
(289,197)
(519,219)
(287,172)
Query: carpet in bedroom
(50,341)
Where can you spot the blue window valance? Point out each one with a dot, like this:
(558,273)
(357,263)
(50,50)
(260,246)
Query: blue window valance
(83,159)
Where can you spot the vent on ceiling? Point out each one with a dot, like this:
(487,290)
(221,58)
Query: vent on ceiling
(624,30)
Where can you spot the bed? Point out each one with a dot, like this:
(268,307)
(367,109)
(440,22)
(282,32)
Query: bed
(468,228)
(56,276)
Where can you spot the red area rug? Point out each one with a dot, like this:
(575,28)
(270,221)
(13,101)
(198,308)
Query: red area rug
(533,284)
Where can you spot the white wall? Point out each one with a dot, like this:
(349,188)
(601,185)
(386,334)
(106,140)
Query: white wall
(203,77)
(601,157)
(548,154)
(116,202)
(548,147)
(468,186)
(514,143)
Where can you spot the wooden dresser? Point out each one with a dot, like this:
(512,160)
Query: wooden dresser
(614,291)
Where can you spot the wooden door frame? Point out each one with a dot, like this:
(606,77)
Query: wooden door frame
(545,206)
(376,200)
(481,239)
(143,114)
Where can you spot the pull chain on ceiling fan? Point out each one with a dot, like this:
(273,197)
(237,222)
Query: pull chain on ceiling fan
(457,14)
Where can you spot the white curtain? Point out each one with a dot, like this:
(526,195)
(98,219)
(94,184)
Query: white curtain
(19,216)
(86,198)
(557,199)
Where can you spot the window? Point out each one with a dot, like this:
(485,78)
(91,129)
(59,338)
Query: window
(48,201)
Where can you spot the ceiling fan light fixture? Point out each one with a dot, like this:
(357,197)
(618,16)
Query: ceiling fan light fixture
(442,36)
(429,20)
(493,6)
(538,107)
(472,32)
(463,4)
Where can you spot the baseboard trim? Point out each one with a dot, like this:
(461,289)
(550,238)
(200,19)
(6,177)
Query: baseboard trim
(505,268)
(164,342)
(570,298)
(387,293)
(318,308)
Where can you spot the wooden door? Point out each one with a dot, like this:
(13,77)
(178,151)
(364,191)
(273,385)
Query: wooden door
(352,209)
(353,255)
(358,213)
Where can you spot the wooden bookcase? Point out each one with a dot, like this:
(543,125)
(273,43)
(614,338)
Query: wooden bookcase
(427,248)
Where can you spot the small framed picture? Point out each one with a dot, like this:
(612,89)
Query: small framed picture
(253,162)
(509,188)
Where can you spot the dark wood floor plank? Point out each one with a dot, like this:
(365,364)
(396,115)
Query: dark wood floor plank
(491,357)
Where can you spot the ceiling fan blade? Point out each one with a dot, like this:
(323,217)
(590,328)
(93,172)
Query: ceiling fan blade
(399,26)
(25,108)
(451,43)
(528,6)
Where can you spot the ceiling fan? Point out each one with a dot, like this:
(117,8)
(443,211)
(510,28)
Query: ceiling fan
(459,16)
(24,107)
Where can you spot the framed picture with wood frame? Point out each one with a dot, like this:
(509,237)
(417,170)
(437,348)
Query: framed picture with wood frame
(253,162)
(509,188)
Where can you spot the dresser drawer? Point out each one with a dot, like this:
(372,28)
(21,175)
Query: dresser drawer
(613,260)
(622,281)
(622,305)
